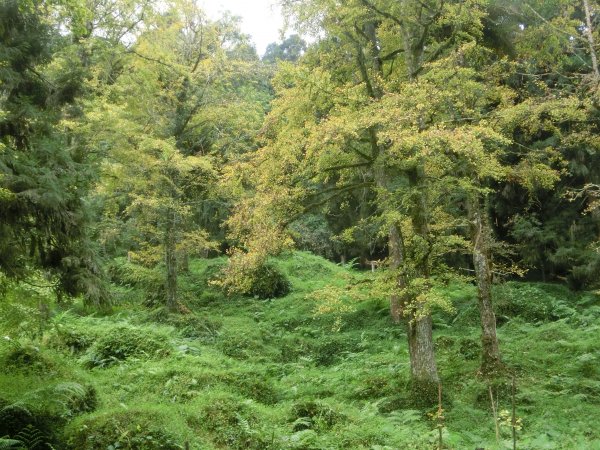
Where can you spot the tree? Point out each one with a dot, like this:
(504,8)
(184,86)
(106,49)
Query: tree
(290,49)
(166,125)
(44,178)
(355,114)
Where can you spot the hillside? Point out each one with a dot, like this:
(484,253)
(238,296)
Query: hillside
(244,373)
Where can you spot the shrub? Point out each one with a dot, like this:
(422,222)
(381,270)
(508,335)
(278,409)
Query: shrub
(37,417)
(122,342)
(314,415)
(131,429)
(395,403)
(183,386)
(269,282)
(232,424)
(530,301)
(252,278)
(329,350)
(69,399)
(469,348)
(26,359)
(241,346)
(35,429)
(189,326)
(373,386)
(253,385)
(293,347)
(68,337)
(205,298)
(125,273)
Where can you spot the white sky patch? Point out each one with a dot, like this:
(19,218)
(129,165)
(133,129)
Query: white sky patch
(261,19)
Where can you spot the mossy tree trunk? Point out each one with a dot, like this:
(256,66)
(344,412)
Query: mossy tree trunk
(171,261)
(396,256)
(424,374)
(481,239)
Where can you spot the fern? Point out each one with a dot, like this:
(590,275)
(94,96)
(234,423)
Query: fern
(12,410)
(66,394)
(31,438)
(10,444)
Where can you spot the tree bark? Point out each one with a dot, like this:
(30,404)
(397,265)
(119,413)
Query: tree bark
(396,255)
(589,33)
(480,238)
(185,261)
(423,367)
(425,378)
(171,262)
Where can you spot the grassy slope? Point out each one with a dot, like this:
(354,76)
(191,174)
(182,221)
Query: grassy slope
(248,373)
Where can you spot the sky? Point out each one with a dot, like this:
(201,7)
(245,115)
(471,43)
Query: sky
(261,19)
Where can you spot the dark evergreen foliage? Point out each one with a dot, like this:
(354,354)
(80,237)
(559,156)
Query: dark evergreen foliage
(44,177)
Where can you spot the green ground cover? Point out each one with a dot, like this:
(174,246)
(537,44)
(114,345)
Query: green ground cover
(248,373)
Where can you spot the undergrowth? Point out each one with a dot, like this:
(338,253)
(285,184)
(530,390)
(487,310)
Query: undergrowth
(246,373)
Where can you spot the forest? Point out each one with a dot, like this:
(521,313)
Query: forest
(383,233)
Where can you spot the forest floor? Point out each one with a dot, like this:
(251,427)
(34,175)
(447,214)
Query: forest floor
(244,373)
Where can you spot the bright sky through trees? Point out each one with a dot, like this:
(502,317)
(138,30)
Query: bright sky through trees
(260,18)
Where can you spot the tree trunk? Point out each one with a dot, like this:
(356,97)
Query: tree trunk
(424,375)
(589,33)
(424,372)
(396,256)
(185,261)
(423,368)
(395,251)
(480,237)
(171,263)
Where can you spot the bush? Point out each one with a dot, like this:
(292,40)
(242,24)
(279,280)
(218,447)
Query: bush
(269,282)
(69,399)
(373,386)
(469,348)
(26,359)
(312,415)
(241,346)
(73,339)
(253,385)
(122,342)
(205,298)
(530,301)
(291,348)
(328,351)
(36,419)
(190,326)
(232,424)
(133,429)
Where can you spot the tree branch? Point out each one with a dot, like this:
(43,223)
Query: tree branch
(347,166)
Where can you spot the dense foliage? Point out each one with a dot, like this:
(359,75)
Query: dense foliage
(158,177)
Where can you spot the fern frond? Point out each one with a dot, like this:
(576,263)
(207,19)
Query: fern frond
(10,444)
(31,438)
